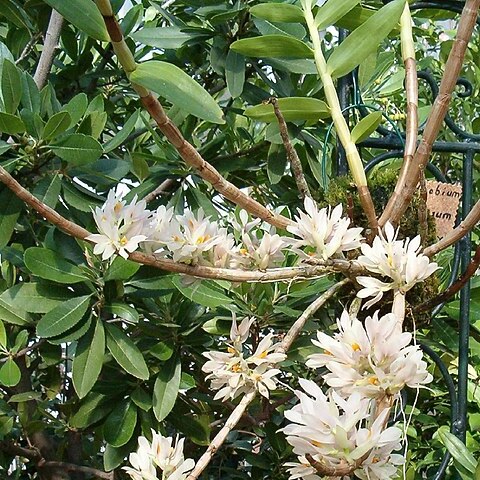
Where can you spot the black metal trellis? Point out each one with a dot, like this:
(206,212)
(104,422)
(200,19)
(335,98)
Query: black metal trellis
(467,144)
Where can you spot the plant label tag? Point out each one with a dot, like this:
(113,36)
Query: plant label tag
(442,202)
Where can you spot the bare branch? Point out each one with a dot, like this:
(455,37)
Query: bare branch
(235,416)
(410,173)
(18,451)
(291,152)
(49,46)
(70,467)
(163,188)
(471,220)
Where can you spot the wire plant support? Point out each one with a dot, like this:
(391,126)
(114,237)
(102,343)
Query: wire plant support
(391,143)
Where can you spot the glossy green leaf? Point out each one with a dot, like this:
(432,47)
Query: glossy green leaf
(278,12)
(3,335)
(366,126)
(126,353)
(165,390)
(276,163)
(113,457)
(123,134)
(9,373)
(78,149)
(141,399)
(84,15)
(16,316)
(272,46)
(11,124)
(88,360)
(48,190)
(30,94)
(76,107)
(11,86)
(74,333)
(202,293)
(10,209)
(25,397)
(93,408)
(51,265)
(121,269)
(34,297)
(162,37)
(120,424)
(178,88)
(63,317)
(235,73)
(458,450)
(332,11)
(365,40)
(56,125)
(292,108)
(122,310)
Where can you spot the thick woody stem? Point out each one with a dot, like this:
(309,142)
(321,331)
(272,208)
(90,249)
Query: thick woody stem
(471,220)
(235,416)
(353,157)
(188,153)
(49,46)
(291,152)
(276,274)
(410,174)
(70,467)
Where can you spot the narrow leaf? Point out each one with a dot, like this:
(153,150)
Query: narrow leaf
(166,387)
(11,124)
(278,12)
(365,40)
(11,86)
(332,11)
(235,73)
(50,265)
(272,46)
(78,149)
(120,424)
(84,15)
(16,316)
(178,88)
(56,125)
(126,353)
(88,360)
(458,450)
(366,126)
(63,317)
(10,208)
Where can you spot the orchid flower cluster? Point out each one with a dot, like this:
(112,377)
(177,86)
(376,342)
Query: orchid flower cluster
(163,454)
(366,363)
(232,374)
(194,239)
(343,430)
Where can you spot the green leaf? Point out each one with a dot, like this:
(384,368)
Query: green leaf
(141,399)
(56,125)
(120,424)
(11,86)
(88,360)
(10,208)
(123,134)
(178,88)
(74,333)
(3,335)
(11,124)
(278,12)
(121,269)
(9,373)
(235,73)
(48,190)
(84,15)
(366,126)
(122,310)
(165,390)
(50,265)
(93,408)
(162,37)
(16,316)
(292,108)
(78,149)
(34,297)
(332,11)
(276,163)
(76,107)
(272,46)
(30,93)
(365,40)
(63,317)
(113,457)
(458,450)
(202,293)
(25,397)
(126,353)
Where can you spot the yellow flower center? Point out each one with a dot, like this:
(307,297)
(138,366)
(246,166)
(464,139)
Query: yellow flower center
(117,207)
(243,251)
(355,347)
(263,354)
(236,368)
(315,443)
(203,239)
(375,459)
(123,241)
(231,350)
(373,381)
